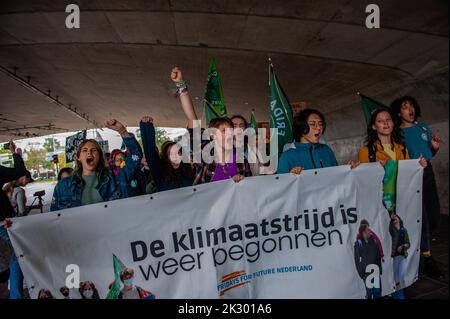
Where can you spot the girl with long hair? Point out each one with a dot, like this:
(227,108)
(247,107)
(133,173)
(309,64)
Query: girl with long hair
(92,181)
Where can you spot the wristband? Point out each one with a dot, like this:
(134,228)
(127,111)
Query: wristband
(181,84)
(182,91)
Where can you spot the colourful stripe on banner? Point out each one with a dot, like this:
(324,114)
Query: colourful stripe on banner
(232,275)
(231,287)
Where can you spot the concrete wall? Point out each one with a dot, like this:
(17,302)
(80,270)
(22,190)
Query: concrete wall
(346,125)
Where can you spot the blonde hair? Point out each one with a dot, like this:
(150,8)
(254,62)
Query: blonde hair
(9,188)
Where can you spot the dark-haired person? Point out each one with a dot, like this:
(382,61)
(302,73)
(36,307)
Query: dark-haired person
(65,172)
(366,254)
(384,140)
(421,142)
(18,200)
(240,124)
(65,292)
(167,172)
(45,294)
(8,174)
(308,127)
(375,237)
(92,182)
(125,166)
(144,178)
(226,167)
(88,290)
(17,196)
(12,271)
(400,246)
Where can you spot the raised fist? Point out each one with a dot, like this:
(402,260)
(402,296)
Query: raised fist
(176,74)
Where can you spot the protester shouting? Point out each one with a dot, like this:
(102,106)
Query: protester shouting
(421,142)
(308,127)
(92,182)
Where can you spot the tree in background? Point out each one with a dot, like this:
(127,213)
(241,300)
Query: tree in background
(161,137)
(6,157)
(51,144)
(36,160)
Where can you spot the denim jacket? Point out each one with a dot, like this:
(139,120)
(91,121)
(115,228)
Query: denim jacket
(67,193)
(126,177)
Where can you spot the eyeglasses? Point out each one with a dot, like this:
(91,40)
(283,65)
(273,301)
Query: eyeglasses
(315,124)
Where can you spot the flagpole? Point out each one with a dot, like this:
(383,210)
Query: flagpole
(270,66)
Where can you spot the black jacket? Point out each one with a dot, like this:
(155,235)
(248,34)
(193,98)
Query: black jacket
(366,253)
(7,175)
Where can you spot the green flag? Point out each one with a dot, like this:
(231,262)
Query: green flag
(369,106)
(390,186)
(280,112)
(253,121)
(214,104)
(118,267)
(209,113)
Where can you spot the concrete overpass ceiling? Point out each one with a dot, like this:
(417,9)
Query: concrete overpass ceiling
(118,62)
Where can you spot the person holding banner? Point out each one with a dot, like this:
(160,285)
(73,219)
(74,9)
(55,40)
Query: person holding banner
(308,127)
(384,140)
(422,143)
(92,182)
(240,124)
(226,166)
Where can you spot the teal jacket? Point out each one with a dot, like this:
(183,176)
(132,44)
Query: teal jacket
(308,156)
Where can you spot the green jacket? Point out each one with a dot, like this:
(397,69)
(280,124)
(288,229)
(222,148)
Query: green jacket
(398,239)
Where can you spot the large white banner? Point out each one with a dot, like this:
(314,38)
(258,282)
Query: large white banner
(280,236)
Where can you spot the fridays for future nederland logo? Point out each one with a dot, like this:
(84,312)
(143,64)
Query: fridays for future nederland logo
(232,280)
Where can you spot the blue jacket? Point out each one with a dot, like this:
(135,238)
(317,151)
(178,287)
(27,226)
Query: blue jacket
(126,177)
(308,156)
(67,193)
(418,141)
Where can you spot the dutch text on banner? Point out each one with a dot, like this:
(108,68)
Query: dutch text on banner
(322,234)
